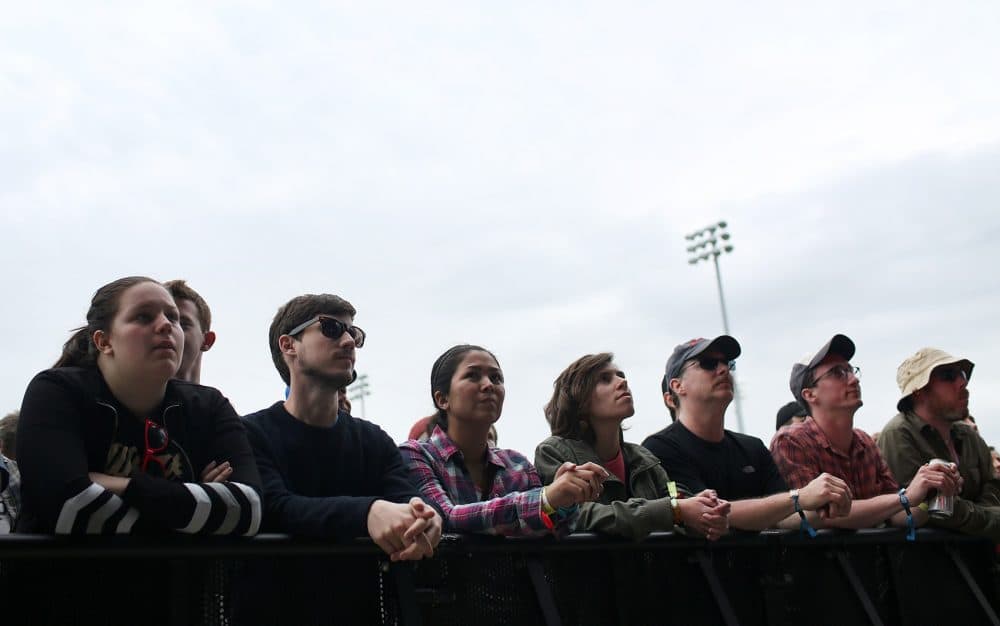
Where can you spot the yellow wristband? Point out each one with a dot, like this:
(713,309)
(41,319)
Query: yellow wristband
(672,489)
(548,508)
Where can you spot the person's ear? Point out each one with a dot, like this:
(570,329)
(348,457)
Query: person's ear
(208,341)
(102,341)
(286,344)
(440,400)
(676,385)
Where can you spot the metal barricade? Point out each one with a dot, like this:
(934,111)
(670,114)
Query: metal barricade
(774,577)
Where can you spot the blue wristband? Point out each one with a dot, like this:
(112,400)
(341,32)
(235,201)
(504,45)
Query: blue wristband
(804,526)
(911,533)
(567,511)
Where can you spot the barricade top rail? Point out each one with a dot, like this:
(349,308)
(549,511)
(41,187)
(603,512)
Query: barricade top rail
(17,546)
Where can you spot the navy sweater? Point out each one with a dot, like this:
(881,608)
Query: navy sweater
(321,482)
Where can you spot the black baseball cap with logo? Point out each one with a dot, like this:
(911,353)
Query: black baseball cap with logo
(724,344)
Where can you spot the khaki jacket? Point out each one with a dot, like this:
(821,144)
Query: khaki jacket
(907,442)
(634,513)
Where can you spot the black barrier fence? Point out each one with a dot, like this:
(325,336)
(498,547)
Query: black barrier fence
(781,577)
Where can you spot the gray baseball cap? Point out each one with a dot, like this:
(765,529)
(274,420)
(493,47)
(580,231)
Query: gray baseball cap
(838,344)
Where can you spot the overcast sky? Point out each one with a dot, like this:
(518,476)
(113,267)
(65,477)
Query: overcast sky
(518,175)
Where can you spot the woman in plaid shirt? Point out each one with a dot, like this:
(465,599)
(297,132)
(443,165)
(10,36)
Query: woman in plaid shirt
(477,488)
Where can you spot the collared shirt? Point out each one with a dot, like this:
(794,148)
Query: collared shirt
(907,442)
(511,506)
(803,452)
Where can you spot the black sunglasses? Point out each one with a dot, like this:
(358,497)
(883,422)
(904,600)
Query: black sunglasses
(950,374)
(710,363)
(332,328)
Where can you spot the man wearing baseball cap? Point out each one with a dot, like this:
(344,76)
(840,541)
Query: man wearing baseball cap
(827,386)
(931,425)
(699,453)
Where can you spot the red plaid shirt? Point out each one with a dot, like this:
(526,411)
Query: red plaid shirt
(803,452)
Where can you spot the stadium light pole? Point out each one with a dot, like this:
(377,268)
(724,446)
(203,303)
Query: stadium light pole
(706,243)
(359,391)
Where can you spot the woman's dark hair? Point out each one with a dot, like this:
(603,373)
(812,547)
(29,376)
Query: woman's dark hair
(568,412)
(80,350)
(441,375)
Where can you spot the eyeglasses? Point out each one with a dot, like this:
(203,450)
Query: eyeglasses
(711,363)
(841,372)
(333,328)
(950,374)
(156,440)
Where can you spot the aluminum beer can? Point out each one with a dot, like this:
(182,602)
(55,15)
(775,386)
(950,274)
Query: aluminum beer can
(939,504)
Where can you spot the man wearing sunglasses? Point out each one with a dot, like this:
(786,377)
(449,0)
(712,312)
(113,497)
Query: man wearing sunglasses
(699,453)
(326,473)
(827,386)
(931,425)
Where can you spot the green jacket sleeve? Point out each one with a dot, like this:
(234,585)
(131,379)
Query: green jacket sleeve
(633,518)
(900,453)
(972,519)
(982,516)
(549,456)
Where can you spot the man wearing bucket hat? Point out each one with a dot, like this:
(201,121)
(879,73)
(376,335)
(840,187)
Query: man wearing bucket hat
(931,425)
(827,386)
(699,453)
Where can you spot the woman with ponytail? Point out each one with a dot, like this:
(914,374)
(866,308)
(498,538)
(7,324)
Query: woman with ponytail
(590,400)
(479,488)
(109,443)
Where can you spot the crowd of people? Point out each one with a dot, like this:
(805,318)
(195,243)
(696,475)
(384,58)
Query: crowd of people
(119,436)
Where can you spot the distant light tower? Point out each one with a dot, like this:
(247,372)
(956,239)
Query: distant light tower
(359,391)
(707,243)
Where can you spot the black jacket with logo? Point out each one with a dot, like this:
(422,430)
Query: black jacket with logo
(71,425)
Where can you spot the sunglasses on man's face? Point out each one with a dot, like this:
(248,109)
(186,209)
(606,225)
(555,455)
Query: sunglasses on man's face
(711,363)
(332,328)
(950,374)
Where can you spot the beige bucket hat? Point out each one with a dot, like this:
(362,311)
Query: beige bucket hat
(915,372)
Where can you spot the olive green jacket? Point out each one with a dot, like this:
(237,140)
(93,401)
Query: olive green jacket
(907,442)
(634,512)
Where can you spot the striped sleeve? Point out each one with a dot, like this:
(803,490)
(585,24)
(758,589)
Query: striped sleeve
(228,508)
(95,511)
(215,509)
(223,509)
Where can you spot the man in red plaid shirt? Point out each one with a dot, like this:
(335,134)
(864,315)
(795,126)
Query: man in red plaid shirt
(827,385)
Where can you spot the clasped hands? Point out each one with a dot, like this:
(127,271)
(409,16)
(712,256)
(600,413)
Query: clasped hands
(406,532)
